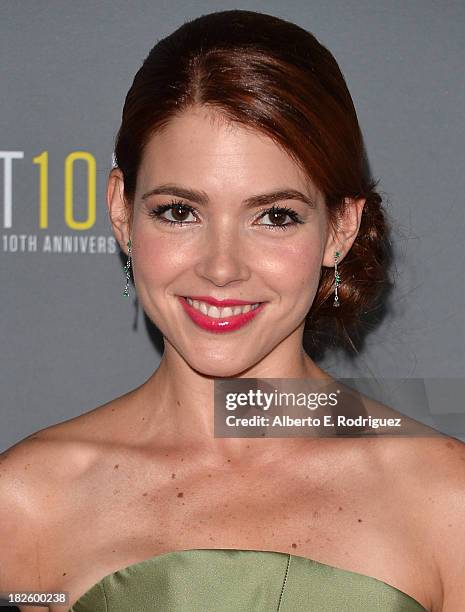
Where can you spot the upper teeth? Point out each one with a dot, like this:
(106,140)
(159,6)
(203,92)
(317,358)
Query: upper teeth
(218,313)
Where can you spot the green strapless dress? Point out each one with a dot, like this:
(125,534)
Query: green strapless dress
(230,580)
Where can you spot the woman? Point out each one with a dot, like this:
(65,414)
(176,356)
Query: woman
(240,186)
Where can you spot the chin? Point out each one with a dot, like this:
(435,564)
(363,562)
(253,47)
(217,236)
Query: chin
(219,368)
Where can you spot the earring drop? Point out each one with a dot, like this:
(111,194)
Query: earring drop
(337,280)
(126,268)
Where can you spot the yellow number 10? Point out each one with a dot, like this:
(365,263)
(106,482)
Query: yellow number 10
(42,161)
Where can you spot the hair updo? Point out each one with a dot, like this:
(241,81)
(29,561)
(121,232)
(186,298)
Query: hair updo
(271,75)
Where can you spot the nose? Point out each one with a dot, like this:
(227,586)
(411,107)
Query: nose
(223,258)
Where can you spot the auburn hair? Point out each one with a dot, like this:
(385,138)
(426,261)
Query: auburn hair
(273,76)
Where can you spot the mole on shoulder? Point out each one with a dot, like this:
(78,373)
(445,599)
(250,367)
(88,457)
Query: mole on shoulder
(359,520)
(116,466)
(294,545)
(178,402)
(180,494)
(340,508)
(144,494)
(173,475)
(63,574)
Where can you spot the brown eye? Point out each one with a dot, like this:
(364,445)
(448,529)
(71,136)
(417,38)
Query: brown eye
(179,213)
(278,218)
(278,215)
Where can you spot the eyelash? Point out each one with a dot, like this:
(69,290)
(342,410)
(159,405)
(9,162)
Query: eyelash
(159,210)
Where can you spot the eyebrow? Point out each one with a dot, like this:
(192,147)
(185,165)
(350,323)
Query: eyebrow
(200,197)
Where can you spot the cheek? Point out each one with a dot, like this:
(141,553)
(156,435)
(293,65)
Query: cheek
(155,261)
(295,267)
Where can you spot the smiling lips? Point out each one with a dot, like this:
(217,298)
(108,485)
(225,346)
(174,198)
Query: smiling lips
(220,315)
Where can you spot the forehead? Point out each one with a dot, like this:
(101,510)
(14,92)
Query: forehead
(200,148)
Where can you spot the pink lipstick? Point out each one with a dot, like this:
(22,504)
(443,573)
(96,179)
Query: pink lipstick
(223,324)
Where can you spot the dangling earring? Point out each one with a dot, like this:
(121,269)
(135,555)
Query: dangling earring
(337,280)
(126,268)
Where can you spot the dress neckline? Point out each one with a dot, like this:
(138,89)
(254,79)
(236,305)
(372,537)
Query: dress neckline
(132,566)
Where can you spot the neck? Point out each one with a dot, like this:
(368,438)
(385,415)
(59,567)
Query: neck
(178,402)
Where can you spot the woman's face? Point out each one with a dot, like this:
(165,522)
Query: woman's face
(224,242)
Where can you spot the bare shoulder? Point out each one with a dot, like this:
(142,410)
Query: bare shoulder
(443,477)
(39,481)
(60,453)
(26,494)
(52,452)
(430,475)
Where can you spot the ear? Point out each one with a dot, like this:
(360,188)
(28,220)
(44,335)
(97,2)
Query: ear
(342,237)
(117,209)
